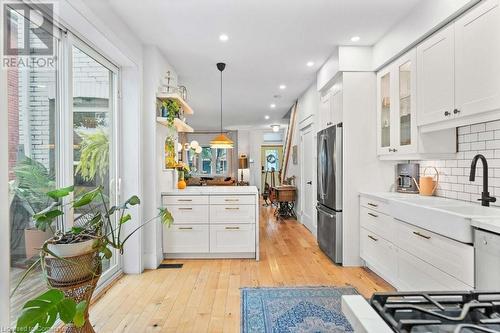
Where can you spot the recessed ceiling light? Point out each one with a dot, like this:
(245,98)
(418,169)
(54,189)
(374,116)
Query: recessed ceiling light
(223,38)
(310,63)
(272,106)
(282,87)
(276,128)
(355,39)
(266,117)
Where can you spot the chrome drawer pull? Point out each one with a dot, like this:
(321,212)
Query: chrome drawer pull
(232,208)
(185,228)
(230,200)
(184,200)
(371,214)
(420,235)
(232,228)
(373,238)
(185,208)
(372,204)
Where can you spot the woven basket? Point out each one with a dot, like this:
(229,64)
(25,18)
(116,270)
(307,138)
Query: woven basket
(77,278)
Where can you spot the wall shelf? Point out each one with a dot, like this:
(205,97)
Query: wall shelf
(176,97)
(181,126)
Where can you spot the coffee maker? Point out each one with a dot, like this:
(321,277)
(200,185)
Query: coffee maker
(408,175)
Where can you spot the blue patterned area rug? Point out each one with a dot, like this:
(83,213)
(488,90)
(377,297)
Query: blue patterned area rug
(294,310)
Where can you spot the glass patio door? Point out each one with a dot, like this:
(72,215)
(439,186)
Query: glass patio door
(94,131)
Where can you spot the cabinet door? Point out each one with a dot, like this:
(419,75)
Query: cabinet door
(379,254)
(230,238)
(336,104)
(435,77)
(324,112)
(385,85)
(405,104)
(477,59)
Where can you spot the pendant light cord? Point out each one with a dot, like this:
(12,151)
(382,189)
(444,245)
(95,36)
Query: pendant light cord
(220,102)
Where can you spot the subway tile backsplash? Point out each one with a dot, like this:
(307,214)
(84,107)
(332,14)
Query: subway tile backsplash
(454,181)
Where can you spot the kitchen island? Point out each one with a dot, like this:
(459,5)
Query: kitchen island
(212,222)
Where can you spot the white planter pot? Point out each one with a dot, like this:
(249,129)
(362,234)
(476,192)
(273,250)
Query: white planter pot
(71,250)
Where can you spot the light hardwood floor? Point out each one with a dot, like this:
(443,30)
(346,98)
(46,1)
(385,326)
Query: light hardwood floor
(204,295)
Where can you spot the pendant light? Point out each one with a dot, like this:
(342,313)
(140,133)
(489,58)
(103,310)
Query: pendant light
(221,140)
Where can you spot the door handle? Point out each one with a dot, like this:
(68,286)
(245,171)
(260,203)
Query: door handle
(373,238)
(184,200)
(231,208)
(371,214)
(185,208)
(309,182)
(185,228)
(232,228)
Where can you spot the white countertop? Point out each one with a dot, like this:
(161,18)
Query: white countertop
(363,318)
(207,190)
(448,217)
(492,225)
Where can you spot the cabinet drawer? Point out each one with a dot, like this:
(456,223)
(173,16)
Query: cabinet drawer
(379,254)
(185,199)
(187,238)
(449,256)
(415,274)
(189,213)
(232,214)
(378,223)
(232,238)
(232,200)
(378,205)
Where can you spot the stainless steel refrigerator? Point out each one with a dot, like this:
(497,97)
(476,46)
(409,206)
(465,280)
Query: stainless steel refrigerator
(329,188)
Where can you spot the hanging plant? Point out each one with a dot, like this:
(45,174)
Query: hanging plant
(172,108)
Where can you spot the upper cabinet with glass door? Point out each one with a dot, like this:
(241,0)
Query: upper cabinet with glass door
(396,106)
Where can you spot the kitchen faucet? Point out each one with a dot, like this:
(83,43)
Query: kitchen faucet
(485,195)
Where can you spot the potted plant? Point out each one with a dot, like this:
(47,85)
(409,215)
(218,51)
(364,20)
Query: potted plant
(71,260)
(28,190)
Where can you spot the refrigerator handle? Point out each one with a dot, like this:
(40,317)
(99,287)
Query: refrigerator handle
(318,208)
(321,169)
(324,179)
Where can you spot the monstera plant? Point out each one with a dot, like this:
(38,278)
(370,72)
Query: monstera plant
(98,227)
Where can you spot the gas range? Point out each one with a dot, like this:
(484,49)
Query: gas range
(455,312)
(424,312)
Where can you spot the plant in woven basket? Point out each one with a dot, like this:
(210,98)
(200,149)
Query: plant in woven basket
(71,260)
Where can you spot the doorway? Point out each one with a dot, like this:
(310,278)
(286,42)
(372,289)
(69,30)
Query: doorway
(307,177)
(270,164)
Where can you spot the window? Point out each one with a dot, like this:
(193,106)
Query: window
(33,109)
(55,133)
(210,162)
(93,130)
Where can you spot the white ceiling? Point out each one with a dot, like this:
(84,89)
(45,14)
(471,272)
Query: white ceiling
(270,42)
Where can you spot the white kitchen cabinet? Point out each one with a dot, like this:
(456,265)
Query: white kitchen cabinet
(396,107)
(380,254)
(436,77)
(330,106)
(414,274)
(212,222)
(189,238)
(324,114)
(232,238)
(458,76)
(477,65)
(411,258)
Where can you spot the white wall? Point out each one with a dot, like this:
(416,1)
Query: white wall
(153,140)
(362,169)
(307,110)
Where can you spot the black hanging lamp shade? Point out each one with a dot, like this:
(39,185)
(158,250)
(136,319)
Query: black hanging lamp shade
(221,140)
